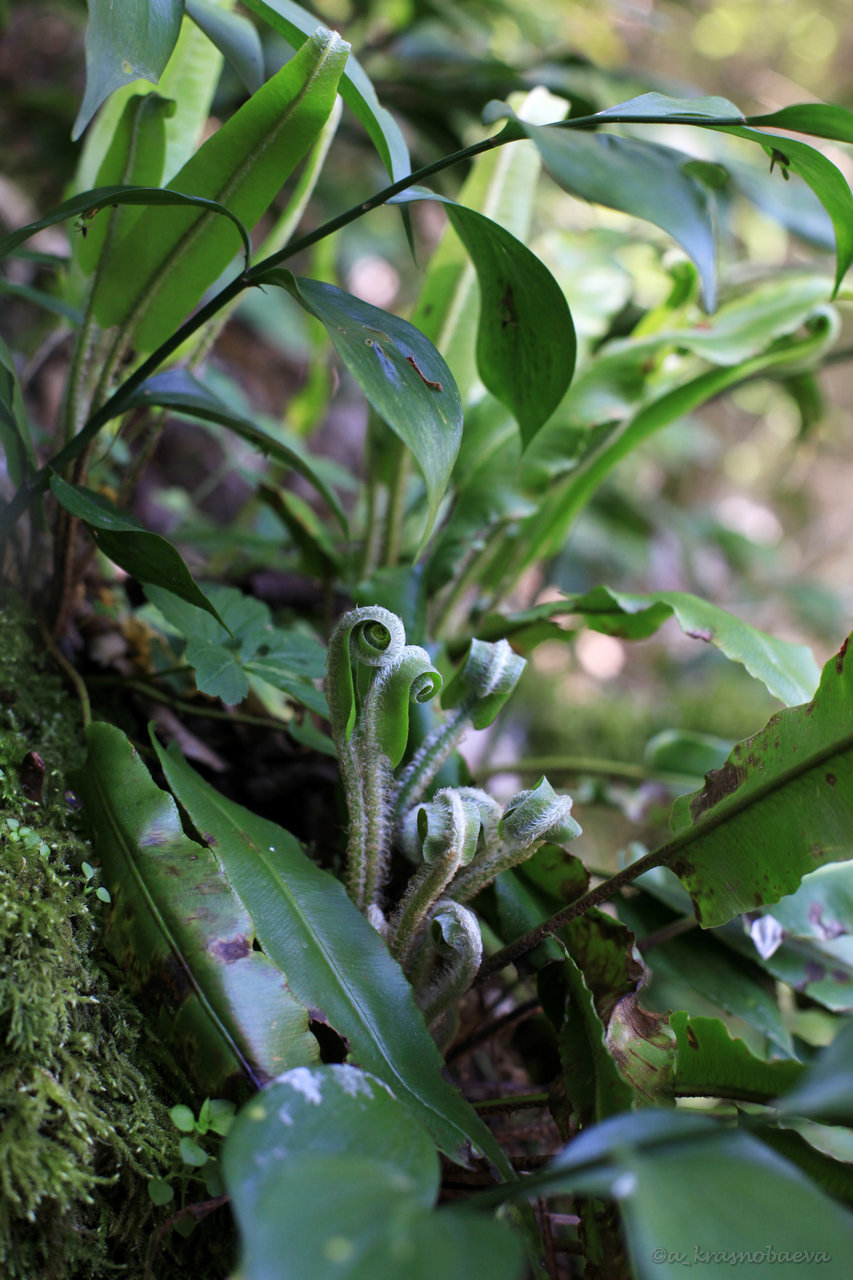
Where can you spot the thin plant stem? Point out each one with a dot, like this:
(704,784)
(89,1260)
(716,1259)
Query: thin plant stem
(356,866)
(601,893)
(425,888)
(377,781)
(499,1106)
(376,505)
(470,576)
(483,871)
(586,764)
(427,761)
(207,713)
(486,1030)
(153,426)
(396,509)
(165,674)
(72,676)
(673,930)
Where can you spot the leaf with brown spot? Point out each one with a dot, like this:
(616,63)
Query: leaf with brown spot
(771,815)
(711,1063)
(642,1044)
(526,343)
(719,783)
(179,931)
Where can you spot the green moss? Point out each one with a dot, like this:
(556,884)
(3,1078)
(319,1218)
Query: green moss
(84,1088)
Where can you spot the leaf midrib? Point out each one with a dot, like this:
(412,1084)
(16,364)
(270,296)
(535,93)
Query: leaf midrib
(347,991)
(141,308)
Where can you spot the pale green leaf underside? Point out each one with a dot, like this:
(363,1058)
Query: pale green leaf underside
(295,23)
(162,267)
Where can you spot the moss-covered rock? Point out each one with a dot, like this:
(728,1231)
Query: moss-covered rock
(84,1089)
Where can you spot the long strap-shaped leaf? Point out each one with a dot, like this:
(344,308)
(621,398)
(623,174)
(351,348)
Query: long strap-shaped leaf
(178,929)
(781,806)
(544,532)
(787,670)
(165,264)
(333,958)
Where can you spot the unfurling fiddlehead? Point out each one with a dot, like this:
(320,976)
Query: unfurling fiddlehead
(474,697)
(449,828)
(458,946)
(529,819)
(370,728)
(460,839)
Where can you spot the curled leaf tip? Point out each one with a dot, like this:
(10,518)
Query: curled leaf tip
(538,814)
(485,680)
(449,822)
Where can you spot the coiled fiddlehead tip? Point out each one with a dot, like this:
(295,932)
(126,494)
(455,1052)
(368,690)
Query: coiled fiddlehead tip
(371,636)
(449,822)
(408,677)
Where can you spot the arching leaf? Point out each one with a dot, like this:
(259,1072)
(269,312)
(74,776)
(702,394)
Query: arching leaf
(659,106)
(135,157)
(295,23)
(333,959)
(642,179)
(526,345)
(826,181)
(87,204)
(147,556)
(821,119)
(788,670)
